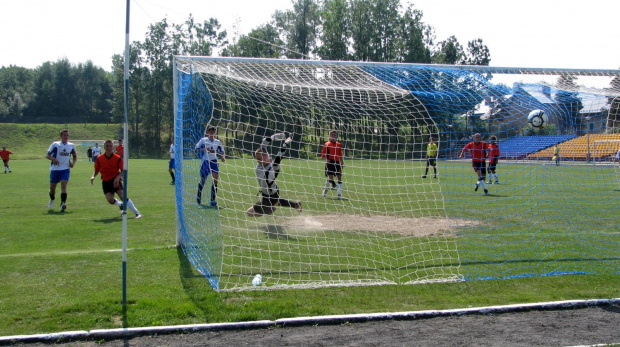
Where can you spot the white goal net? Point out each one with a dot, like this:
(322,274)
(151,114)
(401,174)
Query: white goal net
(393,216)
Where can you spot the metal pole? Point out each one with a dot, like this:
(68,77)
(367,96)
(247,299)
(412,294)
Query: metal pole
(125,157)
(449,141)
(588,138)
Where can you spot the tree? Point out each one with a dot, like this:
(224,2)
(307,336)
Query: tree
(477,53)
(416,36)
(567,82)
(262,42)
(336,30)
(361,31)
(16,91)
(64,90)
(299,28)
(385,20)
(93,93)
(193,38)
(450,52)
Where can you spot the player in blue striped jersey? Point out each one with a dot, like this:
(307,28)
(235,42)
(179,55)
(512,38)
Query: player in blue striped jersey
(210,148)
(60,154)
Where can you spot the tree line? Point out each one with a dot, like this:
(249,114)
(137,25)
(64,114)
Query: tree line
(358,30)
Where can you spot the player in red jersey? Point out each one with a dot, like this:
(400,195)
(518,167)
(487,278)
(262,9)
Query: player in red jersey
(4,154)
(334,162)
(478,150)
(120,149)
(110,165)
(493,159)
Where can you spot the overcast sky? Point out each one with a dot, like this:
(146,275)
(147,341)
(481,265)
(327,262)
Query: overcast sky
(523,33)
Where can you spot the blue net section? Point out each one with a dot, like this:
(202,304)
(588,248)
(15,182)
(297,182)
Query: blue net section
(422,198)
(200,227)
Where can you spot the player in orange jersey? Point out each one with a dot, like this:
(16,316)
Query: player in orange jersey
(478,150)
(334,162)
(120,148)
(110,165)
(4,154)
(493,159)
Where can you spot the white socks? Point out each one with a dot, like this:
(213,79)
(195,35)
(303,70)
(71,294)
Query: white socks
(132,206)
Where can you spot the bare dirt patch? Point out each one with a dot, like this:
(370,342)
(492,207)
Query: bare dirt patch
(424,226)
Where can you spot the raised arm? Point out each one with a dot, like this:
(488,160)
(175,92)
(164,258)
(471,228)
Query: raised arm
(282,151)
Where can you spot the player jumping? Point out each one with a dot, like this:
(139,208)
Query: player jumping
(266,173)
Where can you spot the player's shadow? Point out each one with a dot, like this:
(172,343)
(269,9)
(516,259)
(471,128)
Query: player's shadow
(58,213)
(108,220)
(335,198)
(276,232)
(497,195)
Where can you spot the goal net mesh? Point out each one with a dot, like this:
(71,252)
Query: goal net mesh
(390,219)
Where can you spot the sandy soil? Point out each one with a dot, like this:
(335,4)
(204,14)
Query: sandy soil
(570,327)
(424,226)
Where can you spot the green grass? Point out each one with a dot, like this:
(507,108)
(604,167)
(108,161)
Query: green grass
(62,271)
(531,224)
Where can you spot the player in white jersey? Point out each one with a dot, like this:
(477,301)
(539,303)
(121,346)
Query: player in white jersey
(267,172)
(210,148)
(171,162)
(60,153)
(96,152)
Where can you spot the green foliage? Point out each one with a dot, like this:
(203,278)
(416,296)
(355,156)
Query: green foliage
(262,42)
(367,30)
(62,271)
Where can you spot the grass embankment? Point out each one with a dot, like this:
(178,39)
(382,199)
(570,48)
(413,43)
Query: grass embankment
(31,141)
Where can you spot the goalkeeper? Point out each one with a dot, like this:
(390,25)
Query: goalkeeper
(431,157)
(266,173)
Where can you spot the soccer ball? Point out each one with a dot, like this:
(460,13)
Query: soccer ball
(538,118)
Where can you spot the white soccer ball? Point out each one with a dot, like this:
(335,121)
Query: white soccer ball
(538,119)
(257,280)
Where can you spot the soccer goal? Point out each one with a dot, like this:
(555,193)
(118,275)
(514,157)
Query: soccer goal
(606,150)
(391,218)
(81,147)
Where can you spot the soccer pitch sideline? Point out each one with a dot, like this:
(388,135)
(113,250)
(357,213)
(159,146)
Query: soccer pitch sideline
(62,271)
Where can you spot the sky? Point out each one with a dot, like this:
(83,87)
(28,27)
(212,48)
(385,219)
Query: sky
(519,33)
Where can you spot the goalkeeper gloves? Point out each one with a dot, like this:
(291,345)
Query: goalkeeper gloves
(286,143)
(278,137)
(275,137)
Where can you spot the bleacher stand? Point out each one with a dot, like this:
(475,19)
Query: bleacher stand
(520,147)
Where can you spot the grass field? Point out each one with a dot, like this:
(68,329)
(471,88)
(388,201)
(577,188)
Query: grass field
(62,271)
(527,226)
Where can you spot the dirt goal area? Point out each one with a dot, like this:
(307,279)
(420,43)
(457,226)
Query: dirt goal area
(421,227)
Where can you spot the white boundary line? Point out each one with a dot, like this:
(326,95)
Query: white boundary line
(111,334)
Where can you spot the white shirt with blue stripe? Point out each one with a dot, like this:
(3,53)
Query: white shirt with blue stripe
(62,152)
(210,148)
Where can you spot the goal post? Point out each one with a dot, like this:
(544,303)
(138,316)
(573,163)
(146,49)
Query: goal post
(393,217)
(605,150)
